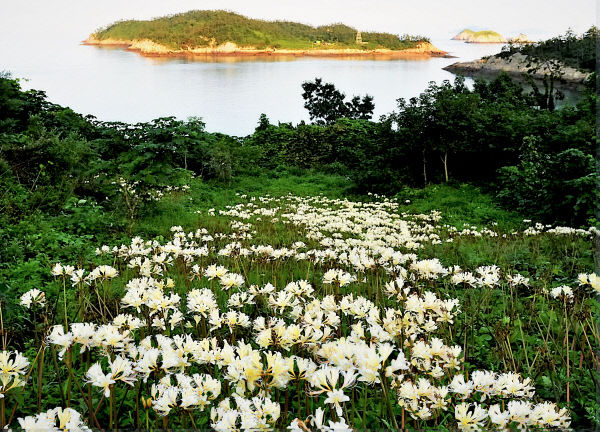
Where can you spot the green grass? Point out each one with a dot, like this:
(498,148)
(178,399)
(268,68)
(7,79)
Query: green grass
(460,204)
(464,205)
(196,29)
(179,209)
(546,259)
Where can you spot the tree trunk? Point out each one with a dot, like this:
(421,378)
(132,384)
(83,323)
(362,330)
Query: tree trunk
(445,161)
(424,169)
(551,95)
(546,94)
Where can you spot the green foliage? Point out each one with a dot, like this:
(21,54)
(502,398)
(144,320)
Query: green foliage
(448,133)
(451,133)
(196,29)
(461,205)
(476,133)
(325,104)
(561,183)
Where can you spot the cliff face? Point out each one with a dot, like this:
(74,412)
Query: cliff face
(514,65)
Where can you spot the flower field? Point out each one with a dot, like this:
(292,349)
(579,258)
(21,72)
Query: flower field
(311,314)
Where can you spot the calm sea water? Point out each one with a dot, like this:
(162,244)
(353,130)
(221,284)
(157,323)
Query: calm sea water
(229,94)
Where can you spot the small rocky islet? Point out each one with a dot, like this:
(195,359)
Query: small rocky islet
(490,36)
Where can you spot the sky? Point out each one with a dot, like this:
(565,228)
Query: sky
(22,21)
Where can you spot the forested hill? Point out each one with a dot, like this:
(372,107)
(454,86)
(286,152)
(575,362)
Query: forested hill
(578,51)
(198,29)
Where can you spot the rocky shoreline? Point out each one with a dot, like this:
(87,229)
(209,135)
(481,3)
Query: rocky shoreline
(513,65)
(147,47)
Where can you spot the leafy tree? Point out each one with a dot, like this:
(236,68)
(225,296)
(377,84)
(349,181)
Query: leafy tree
(326,104)
(553,72)
(411,121)
(453,121)
(440,121)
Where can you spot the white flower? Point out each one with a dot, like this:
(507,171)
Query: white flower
(336,397)
(33,297)
(97,378)
(470,417)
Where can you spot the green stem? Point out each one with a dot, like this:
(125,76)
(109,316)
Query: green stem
(40,366)
(192,419)
(86,400)
(60,388)
(111,401)
(2,413)
(65,296)
(364,419)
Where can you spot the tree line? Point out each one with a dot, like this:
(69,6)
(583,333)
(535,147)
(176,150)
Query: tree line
(495,135)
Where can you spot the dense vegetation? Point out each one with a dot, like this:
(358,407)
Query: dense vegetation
(211,28)
(487,157)
(495,135)
(326,104)
(578,51)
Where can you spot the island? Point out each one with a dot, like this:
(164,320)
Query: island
(518,65)
(484,36)
(205,32)
(566,59)
(521,38)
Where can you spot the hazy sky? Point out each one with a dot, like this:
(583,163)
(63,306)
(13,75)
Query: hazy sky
(51,20)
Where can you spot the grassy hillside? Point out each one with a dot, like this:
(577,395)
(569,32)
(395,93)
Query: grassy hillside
(197,29)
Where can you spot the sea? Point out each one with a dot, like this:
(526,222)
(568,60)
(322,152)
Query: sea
(228,93)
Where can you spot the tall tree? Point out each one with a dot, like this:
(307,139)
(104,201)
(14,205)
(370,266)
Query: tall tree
(326,104)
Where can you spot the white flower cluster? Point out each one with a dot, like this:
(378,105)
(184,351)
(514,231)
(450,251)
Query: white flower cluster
(249,414)
(13,366)
(54,420)
(189,392)
(34,297)
(591,280)
(545,416)
(130,189)
(213,325)
(77,276)
(562,292)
